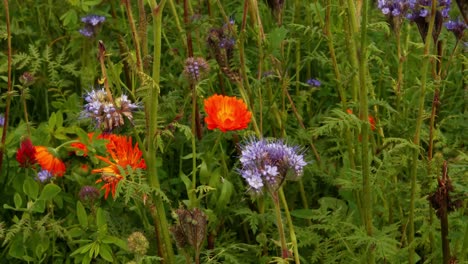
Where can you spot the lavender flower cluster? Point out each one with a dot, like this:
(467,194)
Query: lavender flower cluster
(267,163)
(196,68)
(421,8)
(412,9)
(106,113)
(92,23)
(457,27)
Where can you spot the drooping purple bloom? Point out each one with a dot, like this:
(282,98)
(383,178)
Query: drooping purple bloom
(314,82)
(267,163)
(44,175)
(457,27)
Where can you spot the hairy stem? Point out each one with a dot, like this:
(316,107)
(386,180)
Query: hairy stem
(417,133)
(9,83)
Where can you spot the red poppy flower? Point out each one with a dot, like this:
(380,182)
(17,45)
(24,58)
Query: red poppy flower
(122,154)
(49,161)
(26,154)
(371,119)
(226,113)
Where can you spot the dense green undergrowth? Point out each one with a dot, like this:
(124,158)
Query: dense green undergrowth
(374,103)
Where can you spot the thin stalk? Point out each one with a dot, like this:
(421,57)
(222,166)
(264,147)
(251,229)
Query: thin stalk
(292,233)
(9,84)
(279,223)
(176,20)
(102,55)
(25,109)
(364,114)
(136,40)
(152,104)
(417,133)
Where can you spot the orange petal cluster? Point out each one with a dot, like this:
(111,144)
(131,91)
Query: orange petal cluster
(49,161)
(226,113)
(122,154)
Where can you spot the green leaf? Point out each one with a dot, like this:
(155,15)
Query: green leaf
(303,213)
(38,206)
(18,201)
(31,188)
(225,195)
(69,18)
(108,239)
(82,216)
(49,192)
(100,218)
(82,249)
(52,121)
(106,253)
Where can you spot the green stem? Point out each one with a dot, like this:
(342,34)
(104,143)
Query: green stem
(364,114)
(290,226)
(279,222)
(136,40)
(9,83)
(417,133)
(152,104)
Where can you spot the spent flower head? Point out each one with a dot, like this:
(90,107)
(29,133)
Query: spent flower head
(268,163)
(105,113)
(138,243)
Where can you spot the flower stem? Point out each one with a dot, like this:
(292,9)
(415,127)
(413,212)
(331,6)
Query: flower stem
(279,222)
(290,226)
(364,114)
(416,139)
(152,104)
(9,84)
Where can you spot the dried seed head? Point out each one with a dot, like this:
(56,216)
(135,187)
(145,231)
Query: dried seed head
(137,243)
(190,228)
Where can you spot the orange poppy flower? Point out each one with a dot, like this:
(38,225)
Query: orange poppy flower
(226,113)
(49,161)
(122,154)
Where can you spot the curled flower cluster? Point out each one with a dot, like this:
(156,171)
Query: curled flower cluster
(267,163)
(107,115)
(196,68)
(421,8)
(457,27)
(92,23)
(394,8)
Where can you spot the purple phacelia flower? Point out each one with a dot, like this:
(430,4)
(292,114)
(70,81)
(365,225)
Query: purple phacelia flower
(314,82)
(105,113)
(92,22)
(421,8)
(2,120)
(457,27)
(196,69)
(394,8)
(88,193)
(266,164)
(44,175)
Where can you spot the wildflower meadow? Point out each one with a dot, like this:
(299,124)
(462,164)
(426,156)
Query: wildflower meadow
(229,131)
